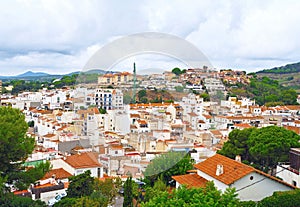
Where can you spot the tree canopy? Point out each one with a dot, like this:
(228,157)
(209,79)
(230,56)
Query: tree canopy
(264,147)
(208,196)
(167,165)
(85,190)
(265,91)
(178,71)
(15,144)
(22,179)
(81,185)
(270,145)
(128,193)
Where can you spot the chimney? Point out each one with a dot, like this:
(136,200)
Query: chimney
(219,170)
(238,158)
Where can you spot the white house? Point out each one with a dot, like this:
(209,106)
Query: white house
(289,172)
(250,183)
(79,163)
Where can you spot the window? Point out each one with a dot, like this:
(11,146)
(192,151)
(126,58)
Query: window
(116,152)
(251,177)
(294,183)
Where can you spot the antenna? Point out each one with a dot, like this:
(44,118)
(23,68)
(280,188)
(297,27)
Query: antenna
(134,83)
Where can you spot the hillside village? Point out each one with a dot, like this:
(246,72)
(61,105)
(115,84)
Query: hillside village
(91,128)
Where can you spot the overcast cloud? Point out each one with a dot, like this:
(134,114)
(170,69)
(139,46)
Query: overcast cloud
(60,36)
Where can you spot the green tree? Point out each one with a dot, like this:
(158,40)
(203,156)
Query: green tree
(264,147)
(167,165)
(30,124)
(22,179)
(283,199)
(15,144)
(108,188)
(208,196)
(144,100)
(142,93)
(159,187)
(237,144)
(179,88)
(270,145)
(176,71)
(205,96)
(81,185)
(128,193)
(9,199)
(126,98)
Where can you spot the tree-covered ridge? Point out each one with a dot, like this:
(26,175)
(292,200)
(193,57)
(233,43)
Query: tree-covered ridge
(35,85)
(265,91)
(289,68)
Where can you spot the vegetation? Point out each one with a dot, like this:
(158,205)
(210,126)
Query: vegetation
(178,71)
(167,165)
(81,185)
(158,188)
(14,150)
(128,193)
(157,96)
(283,199)
(265,91)
(35,85)
(179,88)
(15,144)
(208,196)
(22,179)
(9,199)
(290,68)
(85,190)
(263,147)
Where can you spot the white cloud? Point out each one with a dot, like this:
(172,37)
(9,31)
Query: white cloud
(52,35)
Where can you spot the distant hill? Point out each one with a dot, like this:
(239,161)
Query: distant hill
(289,68)
(42,76)
(32,74)
(288,75)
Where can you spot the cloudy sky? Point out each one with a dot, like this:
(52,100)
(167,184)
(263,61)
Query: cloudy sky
(60,36)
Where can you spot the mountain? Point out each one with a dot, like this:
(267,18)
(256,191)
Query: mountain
(42,76)
(289,68)
(32,74)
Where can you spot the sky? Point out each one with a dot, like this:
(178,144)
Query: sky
(59,37)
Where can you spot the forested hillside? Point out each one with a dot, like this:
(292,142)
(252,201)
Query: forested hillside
(289,68)
(265,91)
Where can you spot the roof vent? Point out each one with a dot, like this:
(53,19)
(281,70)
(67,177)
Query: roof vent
(219,170)
(238,158)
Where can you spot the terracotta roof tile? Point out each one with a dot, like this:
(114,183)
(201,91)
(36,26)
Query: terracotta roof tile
(293,128)
(232,170)
(243,125)
(207,116)
(191,180)
(59,173)
(134,116)
(84,160)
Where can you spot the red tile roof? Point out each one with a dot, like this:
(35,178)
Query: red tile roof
(59,173)
(243,125)
(84,160)
(293,128)
(190,180)
(232,170)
